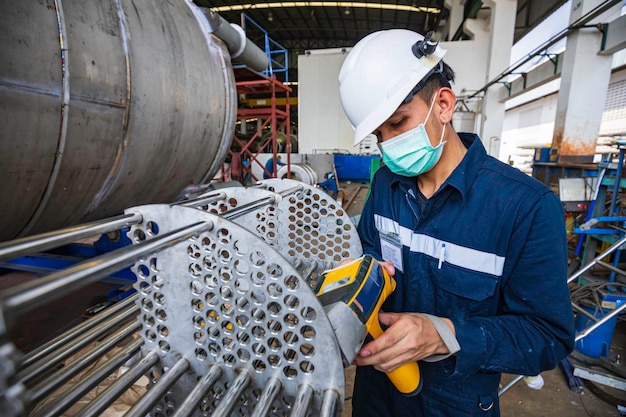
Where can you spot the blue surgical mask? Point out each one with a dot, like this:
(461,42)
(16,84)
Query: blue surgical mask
(411,153)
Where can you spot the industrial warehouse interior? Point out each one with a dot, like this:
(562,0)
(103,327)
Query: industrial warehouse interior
(184,182)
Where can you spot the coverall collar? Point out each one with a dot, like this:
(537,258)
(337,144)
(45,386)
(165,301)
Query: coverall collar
(463,175)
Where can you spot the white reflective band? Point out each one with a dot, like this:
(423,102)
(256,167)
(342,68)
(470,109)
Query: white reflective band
(472,259)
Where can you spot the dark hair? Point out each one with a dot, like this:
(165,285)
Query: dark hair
(440,76)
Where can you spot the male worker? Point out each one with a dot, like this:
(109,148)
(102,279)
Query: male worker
(268,172)
(478,248)
(329,185)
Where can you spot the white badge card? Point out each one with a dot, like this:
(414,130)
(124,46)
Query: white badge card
(391,250)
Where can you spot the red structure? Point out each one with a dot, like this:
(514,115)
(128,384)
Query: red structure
(273,112)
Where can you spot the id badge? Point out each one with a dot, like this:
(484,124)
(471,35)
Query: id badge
(391,249)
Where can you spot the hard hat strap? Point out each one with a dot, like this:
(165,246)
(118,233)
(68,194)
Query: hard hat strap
(436,70)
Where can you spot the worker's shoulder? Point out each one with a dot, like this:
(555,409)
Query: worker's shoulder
(500,174)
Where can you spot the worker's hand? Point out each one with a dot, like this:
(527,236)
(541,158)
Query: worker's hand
(388,265)
(408,338)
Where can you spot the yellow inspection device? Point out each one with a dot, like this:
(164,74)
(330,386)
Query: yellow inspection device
(352,295)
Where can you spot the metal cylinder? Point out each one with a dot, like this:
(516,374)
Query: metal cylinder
(105,105)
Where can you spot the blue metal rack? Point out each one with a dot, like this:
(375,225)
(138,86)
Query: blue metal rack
(602,223)
(277,55)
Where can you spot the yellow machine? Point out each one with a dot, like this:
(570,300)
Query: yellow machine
(352,295)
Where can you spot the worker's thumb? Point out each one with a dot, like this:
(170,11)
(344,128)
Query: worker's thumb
(389,267)
(387,319)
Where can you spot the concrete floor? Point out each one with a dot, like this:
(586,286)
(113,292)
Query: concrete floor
(553,400)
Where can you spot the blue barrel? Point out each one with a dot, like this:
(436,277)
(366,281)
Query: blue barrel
(598,342)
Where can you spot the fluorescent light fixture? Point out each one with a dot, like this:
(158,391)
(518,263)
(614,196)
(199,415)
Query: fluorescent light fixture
(363,5)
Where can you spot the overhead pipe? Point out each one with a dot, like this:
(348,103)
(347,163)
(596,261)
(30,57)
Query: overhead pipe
(241,49)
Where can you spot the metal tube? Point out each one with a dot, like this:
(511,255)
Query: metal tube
(607,252)
(291,190)
(303,399)
(600,322)
(31,295)
(198,201)
(55,357)
(88,382)
(270,392)
(306,274)
(19,247)
(188,407)
(145,403)
(76,331)
(240,47)
(57,379)
(330,403)
(108,396)
(510,384)
(228,402)
(247,208)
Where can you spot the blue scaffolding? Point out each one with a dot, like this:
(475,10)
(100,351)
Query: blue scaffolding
(277,55)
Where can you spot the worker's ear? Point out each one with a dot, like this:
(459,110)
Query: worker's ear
(446,99)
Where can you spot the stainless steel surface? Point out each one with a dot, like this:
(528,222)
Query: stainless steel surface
(268,396)
(228,324)
(229,401)
(226,297)
(304,224)
(303,398)
(330,404)
(200,391)
(106,105)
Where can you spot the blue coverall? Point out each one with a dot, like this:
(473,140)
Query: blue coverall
(269,167)
(488,251)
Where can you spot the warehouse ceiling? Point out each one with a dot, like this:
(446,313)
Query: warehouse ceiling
(298,26)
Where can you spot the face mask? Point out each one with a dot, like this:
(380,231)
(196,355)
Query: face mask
(410,153)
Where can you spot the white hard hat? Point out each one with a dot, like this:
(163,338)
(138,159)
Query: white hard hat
(379,72)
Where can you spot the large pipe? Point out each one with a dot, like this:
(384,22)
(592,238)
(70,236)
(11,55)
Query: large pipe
(241,49)
(107,105)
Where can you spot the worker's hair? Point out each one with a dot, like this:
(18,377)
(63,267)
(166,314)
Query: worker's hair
(440,76)
(436,80)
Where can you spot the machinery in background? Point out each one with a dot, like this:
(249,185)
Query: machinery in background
(224,318)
